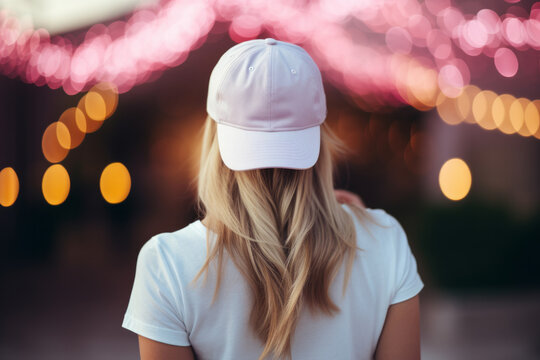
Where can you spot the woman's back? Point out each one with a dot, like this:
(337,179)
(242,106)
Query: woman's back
(166,308)
(288,271)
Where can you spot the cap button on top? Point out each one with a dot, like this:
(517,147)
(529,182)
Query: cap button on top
(270,41)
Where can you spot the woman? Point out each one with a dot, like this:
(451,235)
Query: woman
(289,272)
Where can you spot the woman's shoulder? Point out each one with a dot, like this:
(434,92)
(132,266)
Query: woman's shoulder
(375,216)
(376,228)
(183,246)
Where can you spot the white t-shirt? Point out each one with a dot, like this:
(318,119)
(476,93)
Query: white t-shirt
(163,307)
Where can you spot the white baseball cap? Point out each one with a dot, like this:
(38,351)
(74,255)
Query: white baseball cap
(268,100)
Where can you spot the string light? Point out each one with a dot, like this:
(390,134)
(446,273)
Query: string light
(417,65)
(153,39)
(492,111)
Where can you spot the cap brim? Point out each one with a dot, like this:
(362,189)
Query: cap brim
(246,149)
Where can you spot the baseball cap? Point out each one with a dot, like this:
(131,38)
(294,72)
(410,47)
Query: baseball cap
(268,101)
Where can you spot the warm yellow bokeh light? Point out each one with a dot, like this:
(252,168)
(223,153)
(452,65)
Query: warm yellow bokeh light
(9,186)
(81,121)
(422,83)
(491,111)
(56,142)
(481,109)
(63,135)
(464,103)
(90,125)
(55,184)
(99,103)
(109,94)
(73,118)
(465,107)
(532,116)
(416,82)
(115,183)
(501,113)
(517,116)
(447,109)
(455,179)
(95,107)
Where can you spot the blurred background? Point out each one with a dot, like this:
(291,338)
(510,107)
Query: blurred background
(101,108)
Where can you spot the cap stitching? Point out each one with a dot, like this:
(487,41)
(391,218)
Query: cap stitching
(227,72)
(301,52)
(271,86)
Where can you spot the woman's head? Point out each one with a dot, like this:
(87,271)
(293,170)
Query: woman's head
(265,186)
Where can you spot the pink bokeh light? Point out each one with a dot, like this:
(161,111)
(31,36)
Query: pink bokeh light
(506,62)
(434,34)
(398,40)
(451,80)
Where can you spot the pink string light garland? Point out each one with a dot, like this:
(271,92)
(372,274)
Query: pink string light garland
(361,46)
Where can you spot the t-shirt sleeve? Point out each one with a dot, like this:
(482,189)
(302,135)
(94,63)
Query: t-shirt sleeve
(154,309)
(407,280)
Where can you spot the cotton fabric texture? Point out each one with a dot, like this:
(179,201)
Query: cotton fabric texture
(164,308)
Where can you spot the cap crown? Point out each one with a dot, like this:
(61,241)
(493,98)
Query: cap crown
(266,85)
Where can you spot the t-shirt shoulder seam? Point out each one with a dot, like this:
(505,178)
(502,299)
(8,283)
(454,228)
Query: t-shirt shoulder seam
(177,233)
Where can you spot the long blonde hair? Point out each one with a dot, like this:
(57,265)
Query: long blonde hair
(284,230)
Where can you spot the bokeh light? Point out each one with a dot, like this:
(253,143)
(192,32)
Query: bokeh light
(532,117)
(398,40)
(501,113)
(56,142)
(101,101)
(127,52)
(74,120)
(94,105)
(382,61)
(90,125)
(9,186)
(115,183)
(447,109)
(506,62)
(482,109)
(464,103)
(55,184)
(517,116)
(422,86)
(451,80)
(455,179)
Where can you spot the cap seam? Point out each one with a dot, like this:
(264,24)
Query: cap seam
(271,86)
(228,73)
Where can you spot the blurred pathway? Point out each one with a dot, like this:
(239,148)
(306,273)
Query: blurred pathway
(66,314)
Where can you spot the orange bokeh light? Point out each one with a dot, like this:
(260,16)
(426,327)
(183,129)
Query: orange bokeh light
(532,118)
(55,184)
(481,109)
(90,125)
(56,142)
(73,119)
(115,183)
(501,113)
(9,186)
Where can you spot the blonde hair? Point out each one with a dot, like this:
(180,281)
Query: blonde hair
(284,230)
